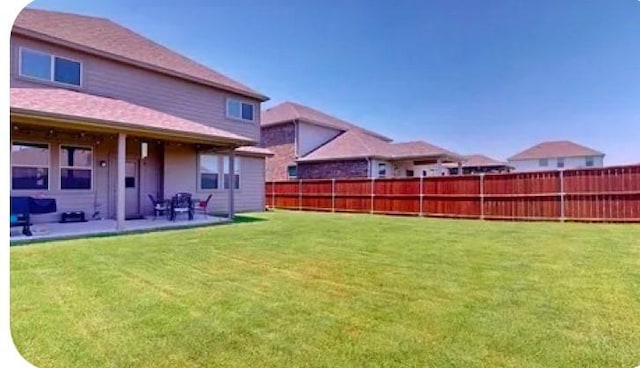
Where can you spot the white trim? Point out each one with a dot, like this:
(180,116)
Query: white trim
(52,58)
(241,101)
(48,167)
(237,167)
(60,167)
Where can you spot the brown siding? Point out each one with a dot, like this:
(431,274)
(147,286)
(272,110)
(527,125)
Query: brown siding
(280,139)
(333,169)
(171,95)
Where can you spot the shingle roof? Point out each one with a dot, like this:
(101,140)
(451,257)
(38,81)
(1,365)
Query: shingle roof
(355,143)
(478,160)
(102,36)
(85,108)
(553,149)
(289,111)
(254,151)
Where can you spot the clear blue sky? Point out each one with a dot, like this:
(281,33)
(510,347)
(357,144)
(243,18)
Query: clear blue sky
(491,77)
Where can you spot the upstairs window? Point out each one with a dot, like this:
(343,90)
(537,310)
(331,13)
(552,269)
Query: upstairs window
(560,163)
(382,170)
(589,161)
(29,166)
(543,162)
(76,167)
(237,109)
(47,67)
(292,171)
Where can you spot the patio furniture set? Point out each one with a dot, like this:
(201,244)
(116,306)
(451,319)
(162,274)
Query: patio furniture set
(181,203)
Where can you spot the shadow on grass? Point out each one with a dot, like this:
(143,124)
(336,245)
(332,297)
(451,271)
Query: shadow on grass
(242,219)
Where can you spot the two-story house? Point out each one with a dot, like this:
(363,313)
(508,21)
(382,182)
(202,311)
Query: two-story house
(101,117)
(554,155)
(310,144)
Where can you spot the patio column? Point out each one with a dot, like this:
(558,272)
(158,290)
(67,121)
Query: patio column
(439,165)
(232,182)
(459,167)
(120,192)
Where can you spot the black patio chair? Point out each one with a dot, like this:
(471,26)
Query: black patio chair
(181,203)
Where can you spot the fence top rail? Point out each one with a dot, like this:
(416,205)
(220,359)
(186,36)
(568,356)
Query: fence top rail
(466,176)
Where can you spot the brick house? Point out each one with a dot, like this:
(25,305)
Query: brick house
(310,144)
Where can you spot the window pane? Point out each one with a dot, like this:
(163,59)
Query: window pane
(29,154)
(208,163)
(543,162)
(247,111)
(36,65)
(292,171)
(233,108)
(67,71)
(76,156)
(30,178)
(236,181)
(208,181)
(75,179)
(236,165)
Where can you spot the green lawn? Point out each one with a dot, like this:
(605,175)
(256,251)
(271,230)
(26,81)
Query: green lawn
(309,289)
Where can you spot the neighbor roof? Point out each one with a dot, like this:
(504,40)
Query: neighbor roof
(355,143)
(478,160)
(85,108)
(553,149)
(108,39)
(290,111)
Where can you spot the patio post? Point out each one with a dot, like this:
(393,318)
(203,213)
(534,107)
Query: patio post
(459,167)
(232,183)
(439,165)
(120,186)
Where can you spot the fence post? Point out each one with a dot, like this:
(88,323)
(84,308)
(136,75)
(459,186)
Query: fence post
(562,195)
(273,194)
(481,196)
(300,195)
(421,196)
(372,193)
(333,195)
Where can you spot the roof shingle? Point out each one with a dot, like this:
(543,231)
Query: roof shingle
(289,111)
(57,102)
(100,35)
(554,149)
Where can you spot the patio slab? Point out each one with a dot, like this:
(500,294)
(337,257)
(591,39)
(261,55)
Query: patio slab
(57,231)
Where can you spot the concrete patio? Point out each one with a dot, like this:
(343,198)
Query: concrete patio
(56,231)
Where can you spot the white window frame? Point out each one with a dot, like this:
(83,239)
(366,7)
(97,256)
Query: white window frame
(199,179)
(590,159)
(545,160)
(60,166)
(560,160)
(237,167)
(48,167)
(226,108)
(52,62)
(289,175)
(385,169)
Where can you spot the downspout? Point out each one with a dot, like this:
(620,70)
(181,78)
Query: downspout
(296,137)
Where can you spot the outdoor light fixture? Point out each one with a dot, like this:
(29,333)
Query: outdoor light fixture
(103,163)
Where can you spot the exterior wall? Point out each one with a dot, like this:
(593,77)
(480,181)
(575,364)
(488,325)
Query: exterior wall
(569,163)
(182,162)
(280,139)
(373,171)
(100,76)
(311,136)
(95,199)
(333,169)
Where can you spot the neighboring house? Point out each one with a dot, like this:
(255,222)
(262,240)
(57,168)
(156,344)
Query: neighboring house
(556,155)
(101,117)
(309,144)
(478,164)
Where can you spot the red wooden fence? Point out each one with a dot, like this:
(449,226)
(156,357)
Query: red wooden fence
(610,194)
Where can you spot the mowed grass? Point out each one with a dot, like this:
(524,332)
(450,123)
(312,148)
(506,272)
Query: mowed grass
(329,290)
